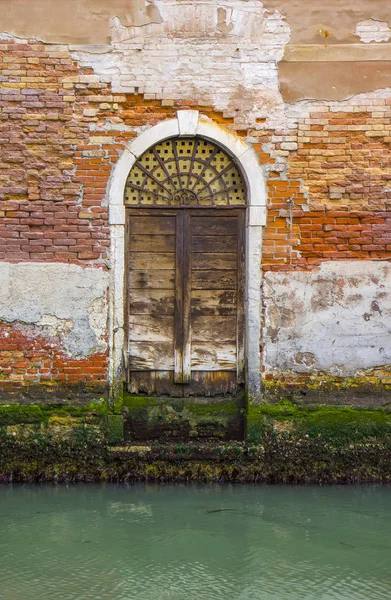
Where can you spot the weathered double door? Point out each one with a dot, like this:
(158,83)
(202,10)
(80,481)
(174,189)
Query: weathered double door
(185,301)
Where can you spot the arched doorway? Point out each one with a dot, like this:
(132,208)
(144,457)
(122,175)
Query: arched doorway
(185,200)
(250,215)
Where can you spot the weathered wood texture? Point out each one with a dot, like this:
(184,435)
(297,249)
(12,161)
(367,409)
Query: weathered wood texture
(151,293)
(202,383)
(185,301)
(187,228)
(214,251)
(179,298)
(240,323)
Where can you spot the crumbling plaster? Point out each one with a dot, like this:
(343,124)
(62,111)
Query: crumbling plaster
(89,20)
(62,300)
(334,319)
(224,52)
(192,56)
(372,30)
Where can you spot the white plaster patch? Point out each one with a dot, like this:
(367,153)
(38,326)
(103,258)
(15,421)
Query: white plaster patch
(97,316)
(53,326)
(217,52)
(334,319)
(61,299)
(372,30)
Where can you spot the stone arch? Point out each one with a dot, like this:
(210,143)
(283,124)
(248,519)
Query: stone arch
(187,124)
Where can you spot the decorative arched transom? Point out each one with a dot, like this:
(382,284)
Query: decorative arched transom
(185,171)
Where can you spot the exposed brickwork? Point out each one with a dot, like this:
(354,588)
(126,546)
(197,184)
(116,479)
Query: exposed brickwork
(27,358)
(344,156)
(44,215)
(339,173)
(295,238)
(69,128)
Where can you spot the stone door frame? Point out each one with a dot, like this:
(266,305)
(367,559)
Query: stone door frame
(187,123)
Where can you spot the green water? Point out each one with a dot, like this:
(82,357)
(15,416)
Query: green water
(151,542)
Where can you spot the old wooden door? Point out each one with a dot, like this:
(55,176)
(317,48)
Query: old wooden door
(185,301)
(185,200)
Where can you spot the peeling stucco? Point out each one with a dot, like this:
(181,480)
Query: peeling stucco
(334,319)
(89,20)
(200,42)
(372,30)
(222,53)
(63,300)
(331,22)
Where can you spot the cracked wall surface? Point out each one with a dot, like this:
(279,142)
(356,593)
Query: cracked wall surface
(312,317)
(64,301)
(53,332)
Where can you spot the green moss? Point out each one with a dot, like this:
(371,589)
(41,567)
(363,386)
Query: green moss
(118,401)
(35,413)
(213,406)
(337,424)
(229,407)
(133,402)
(321,387)
(151,417)
(286,442)
(115,429)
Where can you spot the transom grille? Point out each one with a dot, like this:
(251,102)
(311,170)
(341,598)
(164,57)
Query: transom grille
(185,172)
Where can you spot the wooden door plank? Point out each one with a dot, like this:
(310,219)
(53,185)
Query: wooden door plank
(240,328)
(151,328)
(152,243)
(207,261)
(147,260)
(178,334)
(151,302)
(186,359)
(211,383)
(151,356)
(160,383)
(141,382)
(166,386)
(158,224)
(213,329)
(161,279)
(214,243)
(213,280)
(218,356)
(213,302)
(212,225)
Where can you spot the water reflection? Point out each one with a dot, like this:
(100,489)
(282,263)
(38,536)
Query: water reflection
(150,542)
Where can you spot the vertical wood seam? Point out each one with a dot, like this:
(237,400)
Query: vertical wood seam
(240,333)
(178,318)
(186,358)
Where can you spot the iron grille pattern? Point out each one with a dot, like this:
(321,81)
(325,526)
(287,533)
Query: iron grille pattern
(185,172)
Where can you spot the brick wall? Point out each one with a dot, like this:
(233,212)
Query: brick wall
(62,129)
(35,366)
(342,160)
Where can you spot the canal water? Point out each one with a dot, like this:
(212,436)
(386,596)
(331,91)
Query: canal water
(207,542)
